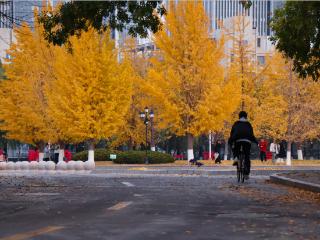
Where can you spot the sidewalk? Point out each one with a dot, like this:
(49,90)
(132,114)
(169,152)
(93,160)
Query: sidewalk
(309,180)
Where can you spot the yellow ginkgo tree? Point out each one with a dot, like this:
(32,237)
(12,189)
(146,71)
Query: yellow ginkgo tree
(23,102)
(132,132)
(186,83)
(294,108)
(92,89)
(242,63)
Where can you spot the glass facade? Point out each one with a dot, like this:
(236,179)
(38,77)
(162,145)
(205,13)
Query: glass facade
(260,12)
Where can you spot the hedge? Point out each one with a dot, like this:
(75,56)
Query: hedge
(138,157)
(100,154)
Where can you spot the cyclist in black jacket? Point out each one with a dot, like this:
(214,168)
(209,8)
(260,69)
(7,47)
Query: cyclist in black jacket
(242,134)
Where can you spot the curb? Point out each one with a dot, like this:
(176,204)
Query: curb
(313,187)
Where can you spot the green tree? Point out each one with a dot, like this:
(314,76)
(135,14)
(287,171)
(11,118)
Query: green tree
(136,16)
(297,34)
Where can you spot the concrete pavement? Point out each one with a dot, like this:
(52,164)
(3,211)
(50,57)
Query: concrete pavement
(126,205)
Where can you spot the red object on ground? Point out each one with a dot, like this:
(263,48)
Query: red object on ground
(263,146)
(67,155)
(32,155)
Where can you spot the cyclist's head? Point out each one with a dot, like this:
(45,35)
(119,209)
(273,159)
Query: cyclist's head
(243,114)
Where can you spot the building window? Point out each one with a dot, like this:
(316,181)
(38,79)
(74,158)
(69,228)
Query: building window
(258,42)
(261,60)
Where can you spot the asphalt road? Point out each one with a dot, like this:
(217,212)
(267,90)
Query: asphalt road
(128,206)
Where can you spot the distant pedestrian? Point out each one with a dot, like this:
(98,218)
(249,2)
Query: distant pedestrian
(282,150)
(200,157)
(32,155)
(217,150)
(274,149)
(67,155)
(222,149)
(56,153)
(2,157)
(263,149)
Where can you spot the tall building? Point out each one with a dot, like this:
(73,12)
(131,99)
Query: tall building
(260,12)
(6,23)
(14,13)
(222,11)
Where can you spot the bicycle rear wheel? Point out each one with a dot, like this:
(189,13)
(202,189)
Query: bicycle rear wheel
(238,171)
(241,163)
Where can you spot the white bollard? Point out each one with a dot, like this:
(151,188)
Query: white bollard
(25,165)
(17,166)
(89,165)
(42,165)
(79,165)
(33,165)
(50,166)
(71,165)
(3,165)
(62,166)
(10,165)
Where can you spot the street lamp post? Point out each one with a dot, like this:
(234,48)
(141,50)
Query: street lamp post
(146,117)
(152,145)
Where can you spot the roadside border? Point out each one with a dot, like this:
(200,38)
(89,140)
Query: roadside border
(275,178)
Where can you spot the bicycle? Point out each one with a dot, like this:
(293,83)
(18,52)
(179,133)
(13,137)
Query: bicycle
(241,165)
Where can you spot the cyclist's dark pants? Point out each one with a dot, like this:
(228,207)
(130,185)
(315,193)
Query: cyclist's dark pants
(246,150)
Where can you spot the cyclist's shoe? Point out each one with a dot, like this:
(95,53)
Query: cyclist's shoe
(246,177)
(235,162)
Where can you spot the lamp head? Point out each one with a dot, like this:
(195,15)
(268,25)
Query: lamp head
(142,115)
(151,114)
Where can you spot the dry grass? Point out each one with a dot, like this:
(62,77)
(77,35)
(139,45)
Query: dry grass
(224,163)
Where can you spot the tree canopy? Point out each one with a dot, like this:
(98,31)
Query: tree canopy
(72,17)
(297,34)
(23,105)
(186,83)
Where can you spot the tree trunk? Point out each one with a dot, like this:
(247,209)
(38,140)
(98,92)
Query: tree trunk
(61,152)
(288,160)
(300,154)
(190,146)
(210,142)
(41,151)
(130,144)
(226,149)
(91,151)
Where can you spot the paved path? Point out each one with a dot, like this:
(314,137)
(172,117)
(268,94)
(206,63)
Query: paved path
(207,171)
(130,206)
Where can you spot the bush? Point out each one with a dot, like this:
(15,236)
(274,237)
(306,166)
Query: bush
(100,154)
(138,157)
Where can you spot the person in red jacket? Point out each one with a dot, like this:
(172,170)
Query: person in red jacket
(67,155)
(263,150)
(2,158)
(31,155)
